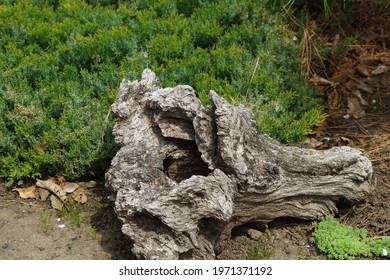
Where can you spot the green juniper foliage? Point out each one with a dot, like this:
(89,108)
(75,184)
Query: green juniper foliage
(61,62)
(342,242)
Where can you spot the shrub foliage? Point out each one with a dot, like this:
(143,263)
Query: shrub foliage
(61,62)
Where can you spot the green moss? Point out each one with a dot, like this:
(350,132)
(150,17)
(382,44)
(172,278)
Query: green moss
(342,242)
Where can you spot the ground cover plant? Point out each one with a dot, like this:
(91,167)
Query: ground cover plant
(61,63)
(342,242)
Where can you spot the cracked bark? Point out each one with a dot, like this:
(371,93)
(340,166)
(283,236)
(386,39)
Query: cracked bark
(186,175)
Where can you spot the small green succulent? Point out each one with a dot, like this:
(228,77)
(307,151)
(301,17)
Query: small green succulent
(342,242)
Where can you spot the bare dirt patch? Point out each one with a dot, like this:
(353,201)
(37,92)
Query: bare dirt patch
(31,229)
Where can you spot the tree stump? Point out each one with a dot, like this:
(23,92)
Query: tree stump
(186,174)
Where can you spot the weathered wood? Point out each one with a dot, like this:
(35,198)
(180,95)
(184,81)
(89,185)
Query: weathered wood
(186,175)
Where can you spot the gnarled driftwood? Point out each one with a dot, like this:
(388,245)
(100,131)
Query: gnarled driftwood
(186,175)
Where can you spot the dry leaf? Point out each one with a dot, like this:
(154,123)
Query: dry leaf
(359,96)
(52,187)
(355,107)
(313,142)
(334,99)
(79,195)
(346,140)
(350,85)
(26,193)
(317,80)
(87,185)
(365,88)
(43,194)
(363,71)
(379,70)
(56,203)
(69,187)
(61,179)
(52,179)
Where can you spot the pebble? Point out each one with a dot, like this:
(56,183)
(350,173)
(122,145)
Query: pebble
(4,246)
(254,234)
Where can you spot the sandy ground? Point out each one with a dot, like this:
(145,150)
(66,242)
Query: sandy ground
(31,229)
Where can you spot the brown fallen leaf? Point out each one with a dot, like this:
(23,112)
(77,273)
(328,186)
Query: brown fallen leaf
(356,105)
(87,185)
(313,142)
(350,85)
(346,140)
(334,99)
(69,187)
(363,71)
(43,194)
(365,88)
(56,203)
(51,186)
(79,195)
(359,96)
(26,193)
(379,70)
(60,179)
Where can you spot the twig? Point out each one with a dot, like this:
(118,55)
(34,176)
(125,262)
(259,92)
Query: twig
(105,121)
(344,218)
(362,129)
(380,159)
(253,75)
(381,237)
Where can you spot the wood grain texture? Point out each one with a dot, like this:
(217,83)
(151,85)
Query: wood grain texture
(186,175)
